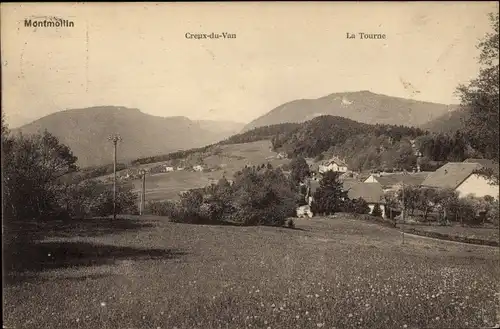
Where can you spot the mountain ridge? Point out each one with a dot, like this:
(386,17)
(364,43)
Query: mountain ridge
(86,132)
(363,106)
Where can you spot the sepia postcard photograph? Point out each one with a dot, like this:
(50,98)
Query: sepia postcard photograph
(232,165)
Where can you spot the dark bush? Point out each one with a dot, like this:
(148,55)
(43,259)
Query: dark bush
(162,208)
(126,203)
(377,211)
(356,206)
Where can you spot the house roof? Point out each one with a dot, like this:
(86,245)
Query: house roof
(412,179)
(332,160)
(485,163)
(370,192)
(451,175)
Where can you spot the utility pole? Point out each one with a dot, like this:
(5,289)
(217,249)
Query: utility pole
(114,138)
(143,192)
(403,213)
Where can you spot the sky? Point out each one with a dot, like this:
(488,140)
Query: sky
(137,55)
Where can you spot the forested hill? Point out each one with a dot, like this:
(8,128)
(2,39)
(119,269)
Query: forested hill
(322,133)
(373,147)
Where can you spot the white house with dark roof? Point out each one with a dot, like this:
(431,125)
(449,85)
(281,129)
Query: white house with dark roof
(333,164)
(462,177)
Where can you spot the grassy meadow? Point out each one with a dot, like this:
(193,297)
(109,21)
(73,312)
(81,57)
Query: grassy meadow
(327,273)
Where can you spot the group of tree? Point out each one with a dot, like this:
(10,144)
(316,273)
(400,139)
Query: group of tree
(444,205)
(258,195)
(445,147)
(363,146)
(178,155)
(261,133)
(480,97)
(33,189)
(376,153)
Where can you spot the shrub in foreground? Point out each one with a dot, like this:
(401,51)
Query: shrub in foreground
(258,196)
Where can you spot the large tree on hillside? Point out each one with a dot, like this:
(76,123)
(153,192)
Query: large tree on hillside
(481,97)
(299,170)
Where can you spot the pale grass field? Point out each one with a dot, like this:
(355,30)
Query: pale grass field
(327,273)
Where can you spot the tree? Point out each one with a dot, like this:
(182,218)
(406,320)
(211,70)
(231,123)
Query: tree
(31,168)
(411,196)
(329,198)
(481,97)
(361,206)
(425,200)
(444,201)
(299,170)
(377,211)
(264,197)
(493,215)
(391,202)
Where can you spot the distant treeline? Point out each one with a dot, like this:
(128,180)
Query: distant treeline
(262,133)
(92,172)
(181,154)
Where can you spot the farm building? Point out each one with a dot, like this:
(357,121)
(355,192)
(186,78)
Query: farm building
(462,177)
(392,182)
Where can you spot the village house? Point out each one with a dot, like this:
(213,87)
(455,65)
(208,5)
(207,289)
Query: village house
(333,164)
(304,211)
(281,155)
(169,168)
(462,177)
(393,182)
(198,168)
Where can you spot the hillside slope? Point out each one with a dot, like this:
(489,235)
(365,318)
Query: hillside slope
(86,132)
(361,106)
(447,123)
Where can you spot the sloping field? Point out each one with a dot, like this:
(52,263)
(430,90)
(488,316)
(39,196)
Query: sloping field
(328,273)
(229,159)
